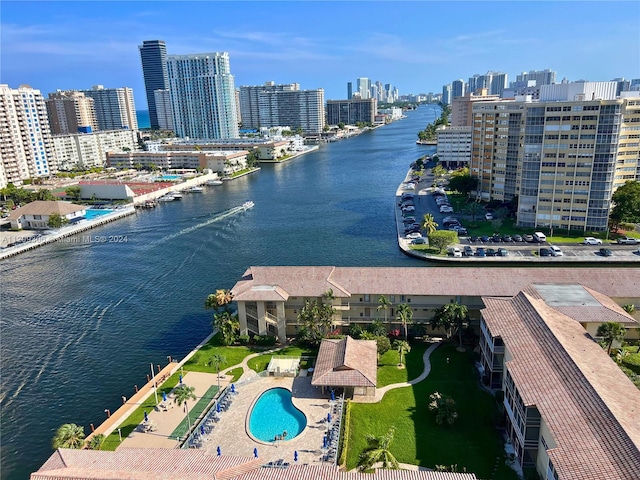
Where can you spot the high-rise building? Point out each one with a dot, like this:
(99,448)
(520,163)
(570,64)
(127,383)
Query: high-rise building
(364,87)
(115,108)
(349,90)
(461,107)
(561,157)
(454,146)
(446,94)
(457,88)
(351,111)
(164,113)
(86,150)
(25,137)
(294,108)
(203,95)
(250,104)
(541,77)
(71,112)
(153,55)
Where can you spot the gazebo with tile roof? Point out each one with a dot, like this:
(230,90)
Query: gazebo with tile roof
(347,364)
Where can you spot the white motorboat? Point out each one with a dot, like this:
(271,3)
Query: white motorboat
(247,205)
(176,195)
(194,189)
(214,182)
(166,198)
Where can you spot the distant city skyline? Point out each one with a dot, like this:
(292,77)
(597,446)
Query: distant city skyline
(416,46)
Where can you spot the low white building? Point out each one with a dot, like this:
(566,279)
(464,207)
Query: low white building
(35,215)
(395,113)
(225,163)
(454,146)
(86,150)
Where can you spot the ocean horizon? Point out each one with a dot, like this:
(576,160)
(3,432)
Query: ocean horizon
(143,119)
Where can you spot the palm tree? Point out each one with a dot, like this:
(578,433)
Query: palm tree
(316,318)
(69,435)
(473,209)
(222,298)
(404,316)
(610,332)
(183,393)
(445,408)
(403,348)
(217,360)
(96,442)
(429,224)
(384,304)
(378,451)
(449,316)
(227,324)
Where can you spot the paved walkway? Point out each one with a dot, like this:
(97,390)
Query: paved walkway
(382,390)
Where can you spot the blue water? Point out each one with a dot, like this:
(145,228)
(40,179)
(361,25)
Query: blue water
(80,322)
(143,119)
(169,177)
(93,213)
(275,413)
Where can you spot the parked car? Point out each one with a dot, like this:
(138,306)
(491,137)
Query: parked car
(528,238)
(480,252)
(507,238)
(484,239)
(491,252)
(546,252)
(496,238)
(488,216)
(628,241)
(502,252)
(450,223)
(413,236)
(592,241)
(555,251)
(446,209)
(467,251)
(539,237)
(419,241)
(605,252)
(473,239)
(518,238)
(409,220)
(409,208)
(454,252)
(459,229)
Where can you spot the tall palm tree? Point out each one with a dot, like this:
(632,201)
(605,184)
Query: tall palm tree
(378,451)
(404,316)
(217,360)
(610,332)
(429,224)
(222,298)
(69,435)
(183,393)
(384,304)
(473,209)
(403,348)
(450,316)
(227,324)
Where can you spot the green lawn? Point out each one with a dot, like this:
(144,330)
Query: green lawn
(236,373)
(201,361)
(261,362)
(471,443)
(388,371)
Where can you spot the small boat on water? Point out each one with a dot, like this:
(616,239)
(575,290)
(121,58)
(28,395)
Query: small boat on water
(247,205)
(214,182)
(194,189)
(176,195)
(166,198)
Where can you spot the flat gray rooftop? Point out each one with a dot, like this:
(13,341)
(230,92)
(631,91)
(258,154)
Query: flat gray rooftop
(566,296)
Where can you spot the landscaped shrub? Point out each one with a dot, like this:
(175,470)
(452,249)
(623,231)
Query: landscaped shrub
(264,340)
(344,437)
(243,339)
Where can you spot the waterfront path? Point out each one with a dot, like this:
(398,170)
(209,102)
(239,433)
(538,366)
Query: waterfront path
(382,390)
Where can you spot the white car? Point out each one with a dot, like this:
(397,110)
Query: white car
(592,241)
(408,208)
(413,236)
(454,252)
(446,209)
(555,251)
(488,216)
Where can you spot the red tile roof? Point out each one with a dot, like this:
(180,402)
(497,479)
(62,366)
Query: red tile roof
(590,407)
(46,207)
(346,363)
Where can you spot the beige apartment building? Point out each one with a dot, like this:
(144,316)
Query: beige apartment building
(71,111)
(86,150)
(561,159)
(462,107)
(222,162)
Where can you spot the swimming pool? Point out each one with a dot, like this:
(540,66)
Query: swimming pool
(170,177)
(273,414)
(95,212)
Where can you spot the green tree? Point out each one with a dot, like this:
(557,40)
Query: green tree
(96,442)
(438,171)
(445,408)
(629,308)
(441,239)
(341,125)
(473,209)
(253,157)
(463,183)
(384,304)
(428,224)
(73,192)
(228,325)
(611,332)
(221,299)
(379,450)
(316,318)
(403,348)
(404,315)
(450,316)
(56,220)
(217,360)
(182,394)
(69,435)
(627,203)
(43,194)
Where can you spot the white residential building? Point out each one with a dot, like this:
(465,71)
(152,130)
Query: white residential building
(296,108)
(203,95)
(115,108)
(86,150)
(454,146)
(250,103)
(25,137)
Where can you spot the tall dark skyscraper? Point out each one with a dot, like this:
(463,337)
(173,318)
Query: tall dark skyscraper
(349,90)
(153,54)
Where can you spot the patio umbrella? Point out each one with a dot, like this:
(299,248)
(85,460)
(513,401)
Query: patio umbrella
(181,379)
(219,451)
(233,388)
(255,452)
(324,441)
(164,396)
(295,456)
(202,429)
(146,418)
(328,418)
(333,395)
(218,407)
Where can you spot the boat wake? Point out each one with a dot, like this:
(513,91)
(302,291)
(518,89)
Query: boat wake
(217,218)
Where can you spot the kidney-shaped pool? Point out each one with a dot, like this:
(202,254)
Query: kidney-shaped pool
(273,414)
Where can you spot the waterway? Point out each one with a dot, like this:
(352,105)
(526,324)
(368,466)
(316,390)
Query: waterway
(81,320)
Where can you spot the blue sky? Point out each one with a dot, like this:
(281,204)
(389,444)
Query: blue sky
(417,46)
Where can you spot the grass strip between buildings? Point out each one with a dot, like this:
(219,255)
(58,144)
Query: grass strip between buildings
(194,412)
